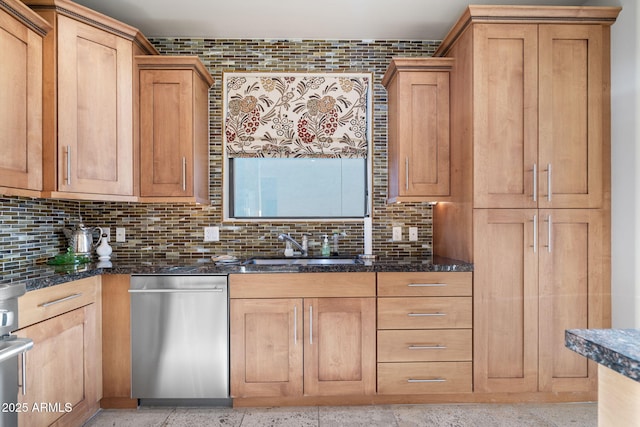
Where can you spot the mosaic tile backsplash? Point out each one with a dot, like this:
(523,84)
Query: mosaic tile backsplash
(31,229)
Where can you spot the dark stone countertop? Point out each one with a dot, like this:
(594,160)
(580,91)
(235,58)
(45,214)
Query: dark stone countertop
(617,349)
(43,275)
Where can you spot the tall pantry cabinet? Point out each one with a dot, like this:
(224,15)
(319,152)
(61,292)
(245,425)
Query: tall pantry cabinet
(530,121)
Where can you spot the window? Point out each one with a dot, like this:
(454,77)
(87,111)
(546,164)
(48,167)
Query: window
(298,188)
(297,146)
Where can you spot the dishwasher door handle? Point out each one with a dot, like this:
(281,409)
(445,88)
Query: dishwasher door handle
(173,291)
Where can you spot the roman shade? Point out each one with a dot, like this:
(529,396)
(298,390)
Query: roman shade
(296,115)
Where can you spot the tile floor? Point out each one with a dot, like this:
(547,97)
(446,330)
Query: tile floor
(461,415)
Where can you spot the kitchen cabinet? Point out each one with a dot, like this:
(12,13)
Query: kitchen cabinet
(174,129)
(21,33)
(418,129)
(64,367)
(307,334)
(539,115)
(537,273)
(531,206)
(116,342)
(424,333)
(88,103)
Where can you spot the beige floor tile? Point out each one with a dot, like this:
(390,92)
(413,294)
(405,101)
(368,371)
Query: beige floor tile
(281,417)
(205,417)
(356,416)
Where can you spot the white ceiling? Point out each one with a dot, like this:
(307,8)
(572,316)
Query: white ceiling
(296,19)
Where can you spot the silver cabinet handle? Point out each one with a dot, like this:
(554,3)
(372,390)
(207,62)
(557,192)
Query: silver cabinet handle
(406,173)
(184,173)
(173,291)
(68,165)
(23,358)
(426,314)
(59,300)
(535,182)
(549,225)
(429,380)
(427,347)
(535,234)
(311,325)
(295,324)
(426,285)
(549,182)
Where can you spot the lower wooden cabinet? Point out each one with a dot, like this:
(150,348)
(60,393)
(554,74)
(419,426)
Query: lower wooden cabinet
(424,333)
(63,370)
(298,337)
(538,272)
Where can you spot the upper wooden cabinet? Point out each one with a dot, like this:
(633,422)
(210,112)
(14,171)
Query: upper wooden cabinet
(88,92)
(418,129)
(174,129)
(21,33)
(537,96)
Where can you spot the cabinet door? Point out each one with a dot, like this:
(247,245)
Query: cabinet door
(266,347)
(505,108)
(166,133)
(571,116)
(95,110)
(573,294)
(339,346)
(505,349)
(21,106)
(423,134)
(62,370)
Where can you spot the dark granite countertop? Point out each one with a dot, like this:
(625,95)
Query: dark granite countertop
(617,349)
(43,275)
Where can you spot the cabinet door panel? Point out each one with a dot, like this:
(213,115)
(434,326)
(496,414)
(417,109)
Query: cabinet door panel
(266,347)
(571,116)
(505,301)
(95,130)
(166,110)
(56,367)
(424,150)
(340,349)
(572,283)
(21,106)
(505,115)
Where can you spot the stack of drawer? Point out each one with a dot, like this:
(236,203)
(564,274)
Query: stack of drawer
(424,333)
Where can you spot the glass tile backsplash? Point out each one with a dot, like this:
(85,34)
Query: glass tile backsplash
(31,229)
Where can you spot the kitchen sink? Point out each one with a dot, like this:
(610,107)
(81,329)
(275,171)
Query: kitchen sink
(301,261)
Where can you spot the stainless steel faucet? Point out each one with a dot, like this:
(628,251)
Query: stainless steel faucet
(304,247)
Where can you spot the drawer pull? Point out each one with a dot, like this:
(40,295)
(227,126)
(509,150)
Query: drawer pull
(59,300)
(426,285)
(427,347)
(426,314)
(427,380)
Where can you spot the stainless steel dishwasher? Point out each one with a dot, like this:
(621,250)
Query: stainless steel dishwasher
(179,338)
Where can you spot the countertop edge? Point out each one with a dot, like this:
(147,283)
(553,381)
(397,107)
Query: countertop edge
(41,276)
(608,347)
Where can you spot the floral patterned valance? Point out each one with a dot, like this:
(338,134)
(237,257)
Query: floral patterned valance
(297,115)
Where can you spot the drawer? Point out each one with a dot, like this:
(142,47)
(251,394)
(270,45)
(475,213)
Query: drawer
(302,285)
(41,304)
(424,377)
(425,313)
(421,284)
(424,345)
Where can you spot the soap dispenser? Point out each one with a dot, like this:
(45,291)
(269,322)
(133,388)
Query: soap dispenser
(326,249)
